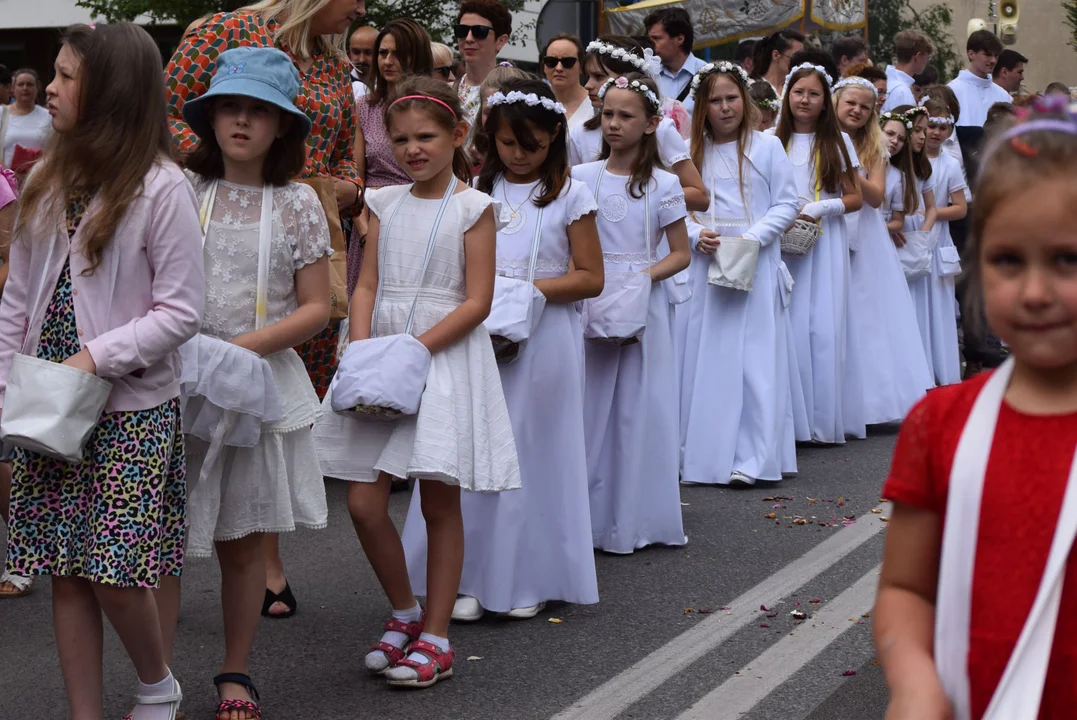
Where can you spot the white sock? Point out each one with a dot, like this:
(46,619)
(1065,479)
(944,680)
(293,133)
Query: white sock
(158,689)
(442,643)
(376,659)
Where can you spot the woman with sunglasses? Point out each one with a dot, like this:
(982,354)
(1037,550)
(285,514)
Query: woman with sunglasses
(443,62)
(482,29)
(562,63)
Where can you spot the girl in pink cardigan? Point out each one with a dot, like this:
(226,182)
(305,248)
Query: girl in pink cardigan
(106,277)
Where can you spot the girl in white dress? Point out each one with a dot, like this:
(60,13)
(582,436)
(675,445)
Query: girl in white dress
(736,421)
(613,56)
(910,198)
(893,367)
(950,187)
(266,252)
(524,548)
(630,392)
(825,167)
(461,438)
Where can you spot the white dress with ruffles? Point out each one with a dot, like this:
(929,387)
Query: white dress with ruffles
(275,485)
(461,434)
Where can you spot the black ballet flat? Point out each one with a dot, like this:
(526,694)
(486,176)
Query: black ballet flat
(284,596)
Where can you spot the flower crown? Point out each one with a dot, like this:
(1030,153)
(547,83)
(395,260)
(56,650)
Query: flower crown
(807,66)
(855,81)
(739,74)
(649,64)
(768,104)
(895,117)
(948,120)
(911,113)
(529,99)
(623,83)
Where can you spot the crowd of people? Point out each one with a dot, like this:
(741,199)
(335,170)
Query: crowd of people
(549,300)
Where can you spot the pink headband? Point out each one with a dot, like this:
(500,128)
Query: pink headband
(442,103)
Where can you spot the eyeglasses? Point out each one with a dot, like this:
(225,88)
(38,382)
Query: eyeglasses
(444,71)
(481,32)
(566,62)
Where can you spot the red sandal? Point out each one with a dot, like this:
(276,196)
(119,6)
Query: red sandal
(393,653)
(438,666)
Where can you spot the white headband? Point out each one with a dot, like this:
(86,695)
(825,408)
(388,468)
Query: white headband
(948,120)
(530,99)
(807,66)
(623,83)
(649,64)
(722,66)
(855,81)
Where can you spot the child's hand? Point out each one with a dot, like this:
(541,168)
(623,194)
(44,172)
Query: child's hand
(898,238)
(925,703)
(708,242)
(82,360)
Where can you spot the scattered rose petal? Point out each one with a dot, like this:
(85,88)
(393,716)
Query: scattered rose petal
(866,615)
(848,673)
(875,663)
(685,504)
(704,611)
(798,615)
(724,607)
(884,518)
(764,625)
(796,604)
(689,611)
(876,511)
(472,658)
(841,502)
(815,600)
(764,608)
(555,621)
(771,516)
(772,615)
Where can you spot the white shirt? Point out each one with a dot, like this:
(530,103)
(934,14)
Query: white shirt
(30,130)
(359,89)
(898,89)
(672,83)
(976,96)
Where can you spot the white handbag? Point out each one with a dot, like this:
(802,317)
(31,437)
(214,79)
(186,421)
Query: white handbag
(619,314)
(915,254)
(1019,693)
(517,307)
(734,262)
(50,408)
(678,287)
(384,377)
(947,261)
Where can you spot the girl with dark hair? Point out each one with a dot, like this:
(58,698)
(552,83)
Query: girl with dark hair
(510,565)
(631,405)
(825,167)
(252,145)
(430,274)
(563,63)
(613,56)
(106,279)
(772,55)
(910,196)
(735,393)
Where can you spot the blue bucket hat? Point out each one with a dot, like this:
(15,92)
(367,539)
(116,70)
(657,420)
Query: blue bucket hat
(266,74)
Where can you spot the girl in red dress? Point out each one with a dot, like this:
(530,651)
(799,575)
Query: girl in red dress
(967,620)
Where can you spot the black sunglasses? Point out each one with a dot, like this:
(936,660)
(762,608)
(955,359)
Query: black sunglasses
(444,71)
(481,32)
(566,62)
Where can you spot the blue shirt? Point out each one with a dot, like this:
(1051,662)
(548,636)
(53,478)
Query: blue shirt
(671,84)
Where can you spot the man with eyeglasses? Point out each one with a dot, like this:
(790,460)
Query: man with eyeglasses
(361,54)
(482,29)
(670,29)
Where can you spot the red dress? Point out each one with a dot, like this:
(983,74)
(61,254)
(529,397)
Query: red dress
(1026,478)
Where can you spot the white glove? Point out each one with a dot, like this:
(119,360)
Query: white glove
(824,208)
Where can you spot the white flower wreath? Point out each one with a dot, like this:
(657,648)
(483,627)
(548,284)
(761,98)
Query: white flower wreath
(769,104)
(722,66)
(649,64)
(530,99)
(948,120)
(622,83)
(807,66)
(895,117)
(855,81)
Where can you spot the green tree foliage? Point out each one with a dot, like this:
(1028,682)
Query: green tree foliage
(889,17)
(437,16)
(1070,6)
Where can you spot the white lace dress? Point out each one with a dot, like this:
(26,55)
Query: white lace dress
(461,434)
(275,485)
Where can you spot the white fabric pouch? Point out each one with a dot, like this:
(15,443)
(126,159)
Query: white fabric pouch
(915,254)
(619,314)
(678,288)
(785,284)
(947,261)
(733,264)
(51,409)
(514,315)
(381,376)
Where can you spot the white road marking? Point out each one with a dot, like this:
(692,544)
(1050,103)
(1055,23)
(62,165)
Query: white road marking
(742,692)
(616,695)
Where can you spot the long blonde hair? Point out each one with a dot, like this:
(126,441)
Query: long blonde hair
(869,141)
(294,30)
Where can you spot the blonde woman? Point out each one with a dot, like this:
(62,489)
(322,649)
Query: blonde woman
(310,32)
(443,62)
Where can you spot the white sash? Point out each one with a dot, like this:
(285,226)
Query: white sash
(1019,693)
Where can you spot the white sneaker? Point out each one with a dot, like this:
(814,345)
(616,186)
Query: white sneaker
(526,613)
(466,609)
(739,479)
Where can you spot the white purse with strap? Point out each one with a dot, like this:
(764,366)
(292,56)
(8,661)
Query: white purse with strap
(734,262)
(1019,692)
(50,408)
(517,306)
(384,377)
(619,314)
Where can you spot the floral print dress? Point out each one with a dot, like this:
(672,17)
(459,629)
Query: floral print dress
(116,518)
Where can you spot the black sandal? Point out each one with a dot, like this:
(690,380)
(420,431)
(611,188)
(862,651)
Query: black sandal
(249,706)
(284,596)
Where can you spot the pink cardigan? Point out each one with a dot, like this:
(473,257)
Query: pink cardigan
(134,323)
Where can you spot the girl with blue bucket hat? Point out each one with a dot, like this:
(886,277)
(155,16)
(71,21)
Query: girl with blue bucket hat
(252,465)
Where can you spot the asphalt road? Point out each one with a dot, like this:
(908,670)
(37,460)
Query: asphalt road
(640,653)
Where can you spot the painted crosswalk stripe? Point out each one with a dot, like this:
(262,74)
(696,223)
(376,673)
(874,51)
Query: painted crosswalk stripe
(742,692)
(616,695)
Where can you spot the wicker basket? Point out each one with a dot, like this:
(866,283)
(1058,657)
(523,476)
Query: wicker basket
(373,412)
(801,238)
